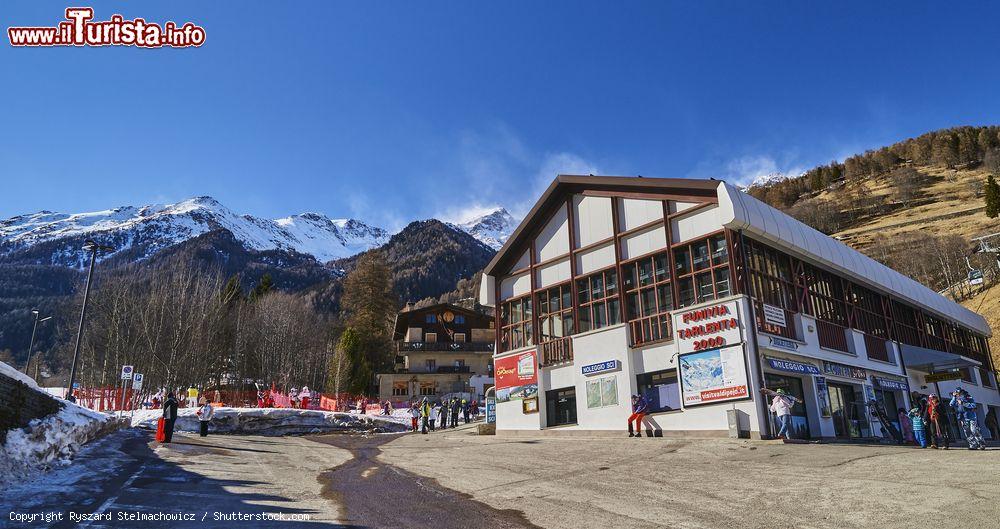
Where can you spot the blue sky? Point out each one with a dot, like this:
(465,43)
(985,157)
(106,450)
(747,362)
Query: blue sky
(393,111)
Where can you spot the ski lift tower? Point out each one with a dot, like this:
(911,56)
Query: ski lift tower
(989,244)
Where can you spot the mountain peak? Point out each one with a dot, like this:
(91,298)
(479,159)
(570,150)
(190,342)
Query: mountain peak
(491,227)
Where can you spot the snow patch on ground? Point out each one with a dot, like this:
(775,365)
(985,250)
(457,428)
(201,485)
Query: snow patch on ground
(50,441)
(17,375)
(271,421)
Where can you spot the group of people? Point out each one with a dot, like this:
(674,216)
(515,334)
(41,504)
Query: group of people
(923,423)
(205,413)
(426,415)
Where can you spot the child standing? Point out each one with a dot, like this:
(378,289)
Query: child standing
(917,420)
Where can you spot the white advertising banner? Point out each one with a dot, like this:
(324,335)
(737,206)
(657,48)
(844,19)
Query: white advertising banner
(717,375)
(708,327)
(774,315)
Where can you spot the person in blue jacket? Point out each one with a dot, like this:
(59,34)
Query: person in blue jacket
(639,409)
(965,409)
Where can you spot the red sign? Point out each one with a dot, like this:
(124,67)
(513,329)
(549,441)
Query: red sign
(516,370)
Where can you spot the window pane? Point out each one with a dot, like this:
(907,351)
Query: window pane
(600,316)
(682,258)
(585,319)
(566,297)
(517,339)
(529,337)
(614,312)
(515,311)
(666,298)
(628,276)
(662,272)
(543,302)
(596,286)
(686,288)
(555,323)
(722,281)
(582,291)
(611,282)
(648,302)
(704,286)
(554,300)
(699,253)
(527,309)
(632,306)
(720,253)
(567,320)
(645,272)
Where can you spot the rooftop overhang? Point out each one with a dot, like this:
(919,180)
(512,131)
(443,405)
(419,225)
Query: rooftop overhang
(626,186)
(932,360)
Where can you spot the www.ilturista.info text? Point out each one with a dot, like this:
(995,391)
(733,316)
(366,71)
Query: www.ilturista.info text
(79,30)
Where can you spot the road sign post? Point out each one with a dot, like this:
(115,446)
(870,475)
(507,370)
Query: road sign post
(127,373)
(136,385)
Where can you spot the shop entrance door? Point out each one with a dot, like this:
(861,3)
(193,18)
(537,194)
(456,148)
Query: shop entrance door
(792,386)
(560,406)
(849,419)
(888,401)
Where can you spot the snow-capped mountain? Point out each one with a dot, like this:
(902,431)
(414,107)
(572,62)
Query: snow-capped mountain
(145,230)
(765,180)
(492,228)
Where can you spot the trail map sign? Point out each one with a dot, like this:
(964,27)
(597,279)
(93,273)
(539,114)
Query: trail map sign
(718,375)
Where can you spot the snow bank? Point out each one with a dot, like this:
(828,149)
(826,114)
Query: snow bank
(50,441)
(17,375)
(270,421)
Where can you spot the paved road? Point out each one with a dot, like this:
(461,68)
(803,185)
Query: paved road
(324,481)
(377,494)
(218,481)
(579,482)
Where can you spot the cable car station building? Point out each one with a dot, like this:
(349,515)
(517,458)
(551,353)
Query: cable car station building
(696,295)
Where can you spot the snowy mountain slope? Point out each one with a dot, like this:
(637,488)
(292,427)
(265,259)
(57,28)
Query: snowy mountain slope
(768,179)
(492,229)
(143,231)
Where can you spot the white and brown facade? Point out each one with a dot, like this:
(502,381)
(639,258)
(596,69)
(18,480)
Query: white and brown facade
(696,295)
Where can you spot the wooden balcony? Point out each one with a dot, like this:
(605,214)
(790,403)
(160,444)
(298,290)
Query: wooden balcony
(832,336)
(877,348)
(555,352)
(651,329)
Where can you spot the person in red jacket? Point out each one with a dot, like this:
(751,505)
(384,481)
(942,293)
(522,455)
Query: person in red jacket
(639,409)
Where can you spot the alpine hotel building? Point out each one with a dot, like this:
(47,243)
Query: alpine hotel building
(697,295)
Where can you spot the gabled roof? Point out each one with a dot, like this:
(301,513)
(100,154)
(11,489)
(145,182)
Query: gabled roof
(741,211)
(436,309)
(563,185)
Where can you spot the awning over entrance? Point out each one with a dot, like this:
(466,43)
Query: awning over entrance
(931,360)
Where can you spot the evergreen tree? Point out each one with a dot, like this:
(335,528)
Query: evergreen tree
(349,369)
(992,191)
(263,286)
(232,293)
(370,305)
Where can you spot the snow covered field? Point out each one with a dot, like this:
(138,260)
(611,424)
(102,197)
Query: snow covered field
(271,421)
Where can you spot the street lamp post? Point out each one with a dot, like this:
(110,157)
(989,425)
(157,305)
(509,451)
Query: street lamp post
(92,247)
(31,344)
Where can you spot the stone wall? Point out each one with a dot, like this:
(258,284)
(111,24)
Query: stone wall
(19,404)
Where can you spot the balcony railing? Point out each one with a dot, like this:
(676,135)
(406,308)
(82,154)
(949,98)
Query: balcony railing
(651,329)
(832,336)
(558,351)
(483,347)
(788,331)
(877,348)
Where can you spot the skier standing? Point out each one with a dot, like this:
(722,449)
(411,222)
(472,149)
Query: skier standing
(169,417)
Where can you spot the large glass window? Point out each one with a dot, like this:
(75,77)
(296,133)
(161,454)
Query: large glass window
(661,390)
(649,298)
(702,270)
(600,304)
(515,320)
(555,313)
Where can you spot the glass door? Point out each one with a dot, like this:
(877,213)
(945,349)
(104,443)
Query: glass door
(792,386)
(560,406)
(850,419)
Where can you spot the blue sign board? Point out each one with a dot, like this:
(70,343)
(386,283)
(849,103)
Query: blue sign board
(491,410)
(603,367)
(783,343)
(793,367)
(891,385)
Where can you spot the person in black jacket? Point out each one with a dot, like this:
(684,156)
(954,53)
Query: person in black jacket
(169,417)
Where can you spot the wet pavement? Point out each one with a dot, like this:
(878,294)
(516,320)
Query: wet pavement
(379,495)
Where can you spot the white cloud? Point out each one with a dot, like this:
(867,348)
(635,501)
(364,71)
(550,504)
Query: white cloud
(745,169)
(499,170)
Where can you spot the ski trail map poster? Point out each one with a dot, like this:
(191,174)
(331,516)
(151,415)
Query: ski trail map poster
(717,375)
